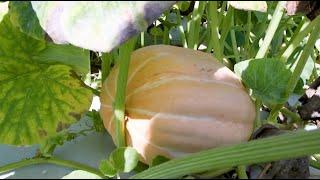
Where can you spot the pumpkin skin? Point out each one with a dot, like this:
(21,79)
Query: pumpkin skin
(179,101)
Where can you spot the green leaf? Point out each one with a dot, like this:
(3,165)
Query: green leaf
(267,78)
(281,147)
(99,26)
(249,5)
(159,160)
(80,174)
(37,100)
(97,121)
(23,16)
(75,57)
(3,9)
(124,159)
(107,168)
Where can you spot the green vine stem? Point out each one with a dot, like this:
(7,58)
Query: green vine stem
(119,104)
(241,171)
(142,39)
(298,37)
(299,68)
(66,163)
(248,31)
(214,30)
(274,23)
(294,116)
(181,30)
(287,146)
(195,24)
(233,38)
(257,121)
(106,59)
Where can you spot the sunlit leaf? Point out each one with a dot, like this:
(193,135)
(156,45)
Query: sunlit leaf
(99,25)
(249,5)
(80,174)
(37,99)
(107,168)
(124,159)
(268,78)
(23,16)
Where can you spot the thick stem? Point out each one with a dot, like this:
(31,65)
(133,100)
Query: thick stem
(257,121)
(241,171)
(119,104)
(142,39)
(234,40)
(193,34)
(105,66)
(274,23)
(66,163)
(181,30)
(214,30)
(248,30)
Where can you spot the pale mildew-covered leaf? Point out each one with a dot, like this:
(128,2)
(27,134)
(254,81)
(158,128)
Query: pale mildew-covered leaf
(249,5)
(37,99)
(97,25)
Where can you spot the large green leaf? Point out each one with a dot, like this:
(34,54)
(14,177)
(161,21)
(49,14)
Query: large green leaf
(80,174)
(124,159)
(78,59)
(268,78)
(99,25)
(37,99)
(23,16)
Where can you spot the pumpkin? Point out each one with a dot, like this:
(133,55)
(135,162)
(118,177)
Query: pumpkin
(179,101)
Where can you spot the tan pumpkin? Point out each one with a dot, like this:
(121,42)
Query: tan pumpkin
(179,101)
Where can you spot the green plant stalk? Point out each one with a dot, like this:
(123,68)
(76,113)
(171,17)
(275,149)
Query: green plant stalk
(119,104)
(241,171)
(274,23)
(214,30)
(181,30)
(248,30)
(222,10)
(294,116)
(234,40)
(142,39)
(298,69)
(105,66)
(227,24)
(257,121)
(66,163)
(287,146)
(166,39)
(193,33)
(300,34)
